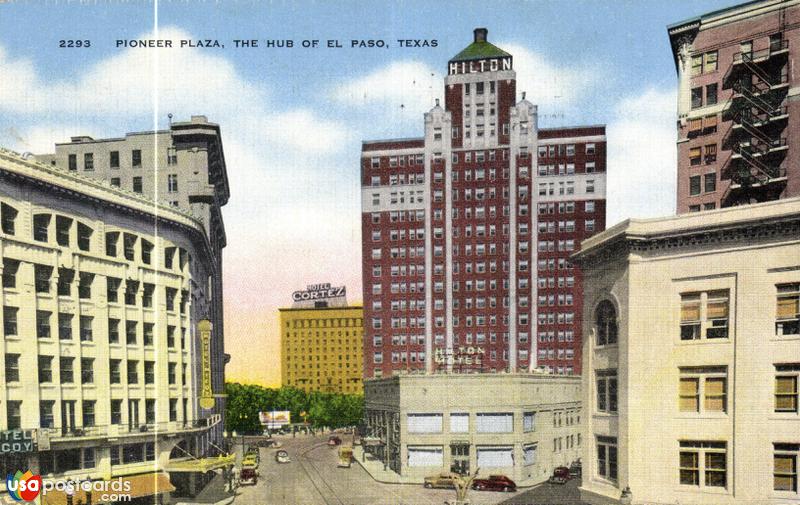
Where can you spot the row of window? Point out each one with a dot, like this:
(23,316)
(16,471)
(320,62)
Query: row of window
(564,169)
(551,151)
(66,370)
(88,408)
(564,188)
(86,328)
(699,184)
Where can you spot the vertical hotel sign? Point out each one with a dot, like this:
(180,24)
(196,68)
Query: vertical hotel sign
(206,392)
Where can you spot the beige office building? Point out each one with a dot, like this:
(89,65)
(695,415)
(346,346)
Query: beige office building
(104,293)
(691,367)
(519,425)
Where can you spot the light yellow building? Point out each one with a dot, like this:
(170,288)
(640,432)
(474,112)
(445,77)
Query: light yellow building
(321,342)
(103,295)
(692,358)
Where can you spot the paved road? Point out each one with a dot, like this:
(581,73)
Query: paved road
(549,494)
(312,478)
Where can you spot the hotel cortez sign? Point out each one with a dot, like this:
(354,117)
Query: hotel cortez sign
(475,66)
(318,292)
(206,391)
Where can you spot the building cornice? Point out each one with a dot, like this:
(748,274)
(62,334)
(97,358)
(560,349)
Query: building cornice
(747,223)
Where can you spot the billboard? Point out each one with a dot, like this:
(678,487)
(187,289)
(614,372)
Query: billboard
(275,418)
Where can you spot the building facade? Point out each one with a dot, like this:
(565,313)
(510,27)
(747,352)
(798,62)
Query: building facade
(321,341)
(692,358)
(182,167)
(467,231)
(738,110)
(519,425)
(103,360)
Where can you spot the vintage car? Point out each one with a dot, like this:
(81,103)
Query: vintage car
(494,483)
(333,440)
(560,475)
(249,462)
(445,480)
(282,456)
(248,476)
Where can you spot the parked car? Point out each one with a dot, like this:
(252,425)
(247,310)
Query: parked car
(445,480)
(282,456)
(248,476)
(333,440)
(575,469)
(494,483)
(560,475)
(249,462)
(274,444)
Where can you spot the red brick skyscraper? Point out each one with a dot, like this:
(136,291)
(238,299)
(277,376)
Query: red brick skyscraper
(738,113)
(467,231)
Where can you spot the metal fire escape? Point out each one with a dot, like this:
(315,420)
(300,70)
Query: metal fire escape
(759,115)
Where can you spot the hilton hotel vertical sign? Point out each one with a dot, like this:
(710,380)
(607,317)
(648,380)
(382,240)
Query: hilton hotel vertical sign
(206,390)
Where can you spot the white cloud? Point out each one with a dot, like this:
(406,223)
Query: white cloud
(412,84)
(642,156)
(128,82)
(546,84)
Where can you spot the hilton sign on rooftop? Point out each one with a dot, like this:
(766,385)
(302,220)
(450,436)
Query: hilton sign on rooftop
(475,66)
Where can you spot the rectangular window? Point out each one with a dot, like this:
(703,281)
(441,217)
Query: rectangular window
(697,65)
(87,370)
(459,423)
(695,158)
(495,457)
(703,464)
(607,391)
(137,184)
(12,367)
(172,183)
(72,162)
(787,321)
(495,423)
(87,406)
(697,97)
(88,161)
(528,421)
(66,371)
(114,373)
(136,158)
(710,62)
(786,392)
(711,94)
(785,467)
(45,369)
(43,324)
(710,180)
(607,458)
(116,418)
(86,323)
(704,315)
(703,389)
(424,423)
(113,160)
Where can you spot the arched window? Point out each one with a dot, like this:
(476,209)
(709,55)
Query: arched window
(606,320)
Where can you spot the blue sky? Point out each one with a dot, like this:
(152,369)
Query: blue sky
(292,119)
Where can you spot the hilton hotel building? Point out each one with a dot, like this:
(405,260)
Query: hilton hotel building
(467,231)
(109,266)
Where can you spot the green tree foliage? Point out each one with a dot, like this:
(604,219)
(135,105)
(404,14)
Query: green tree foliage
(244,402)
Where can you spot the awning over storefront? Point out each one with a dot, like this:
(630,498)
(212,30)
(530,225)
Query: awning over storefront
(371,441)
(147,484)
(201,465)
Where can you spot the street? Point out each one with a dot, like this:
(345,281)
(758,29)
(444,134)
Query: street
(312,478)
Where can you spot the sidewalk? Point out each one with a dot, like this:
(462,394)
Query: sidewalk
(374,468)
